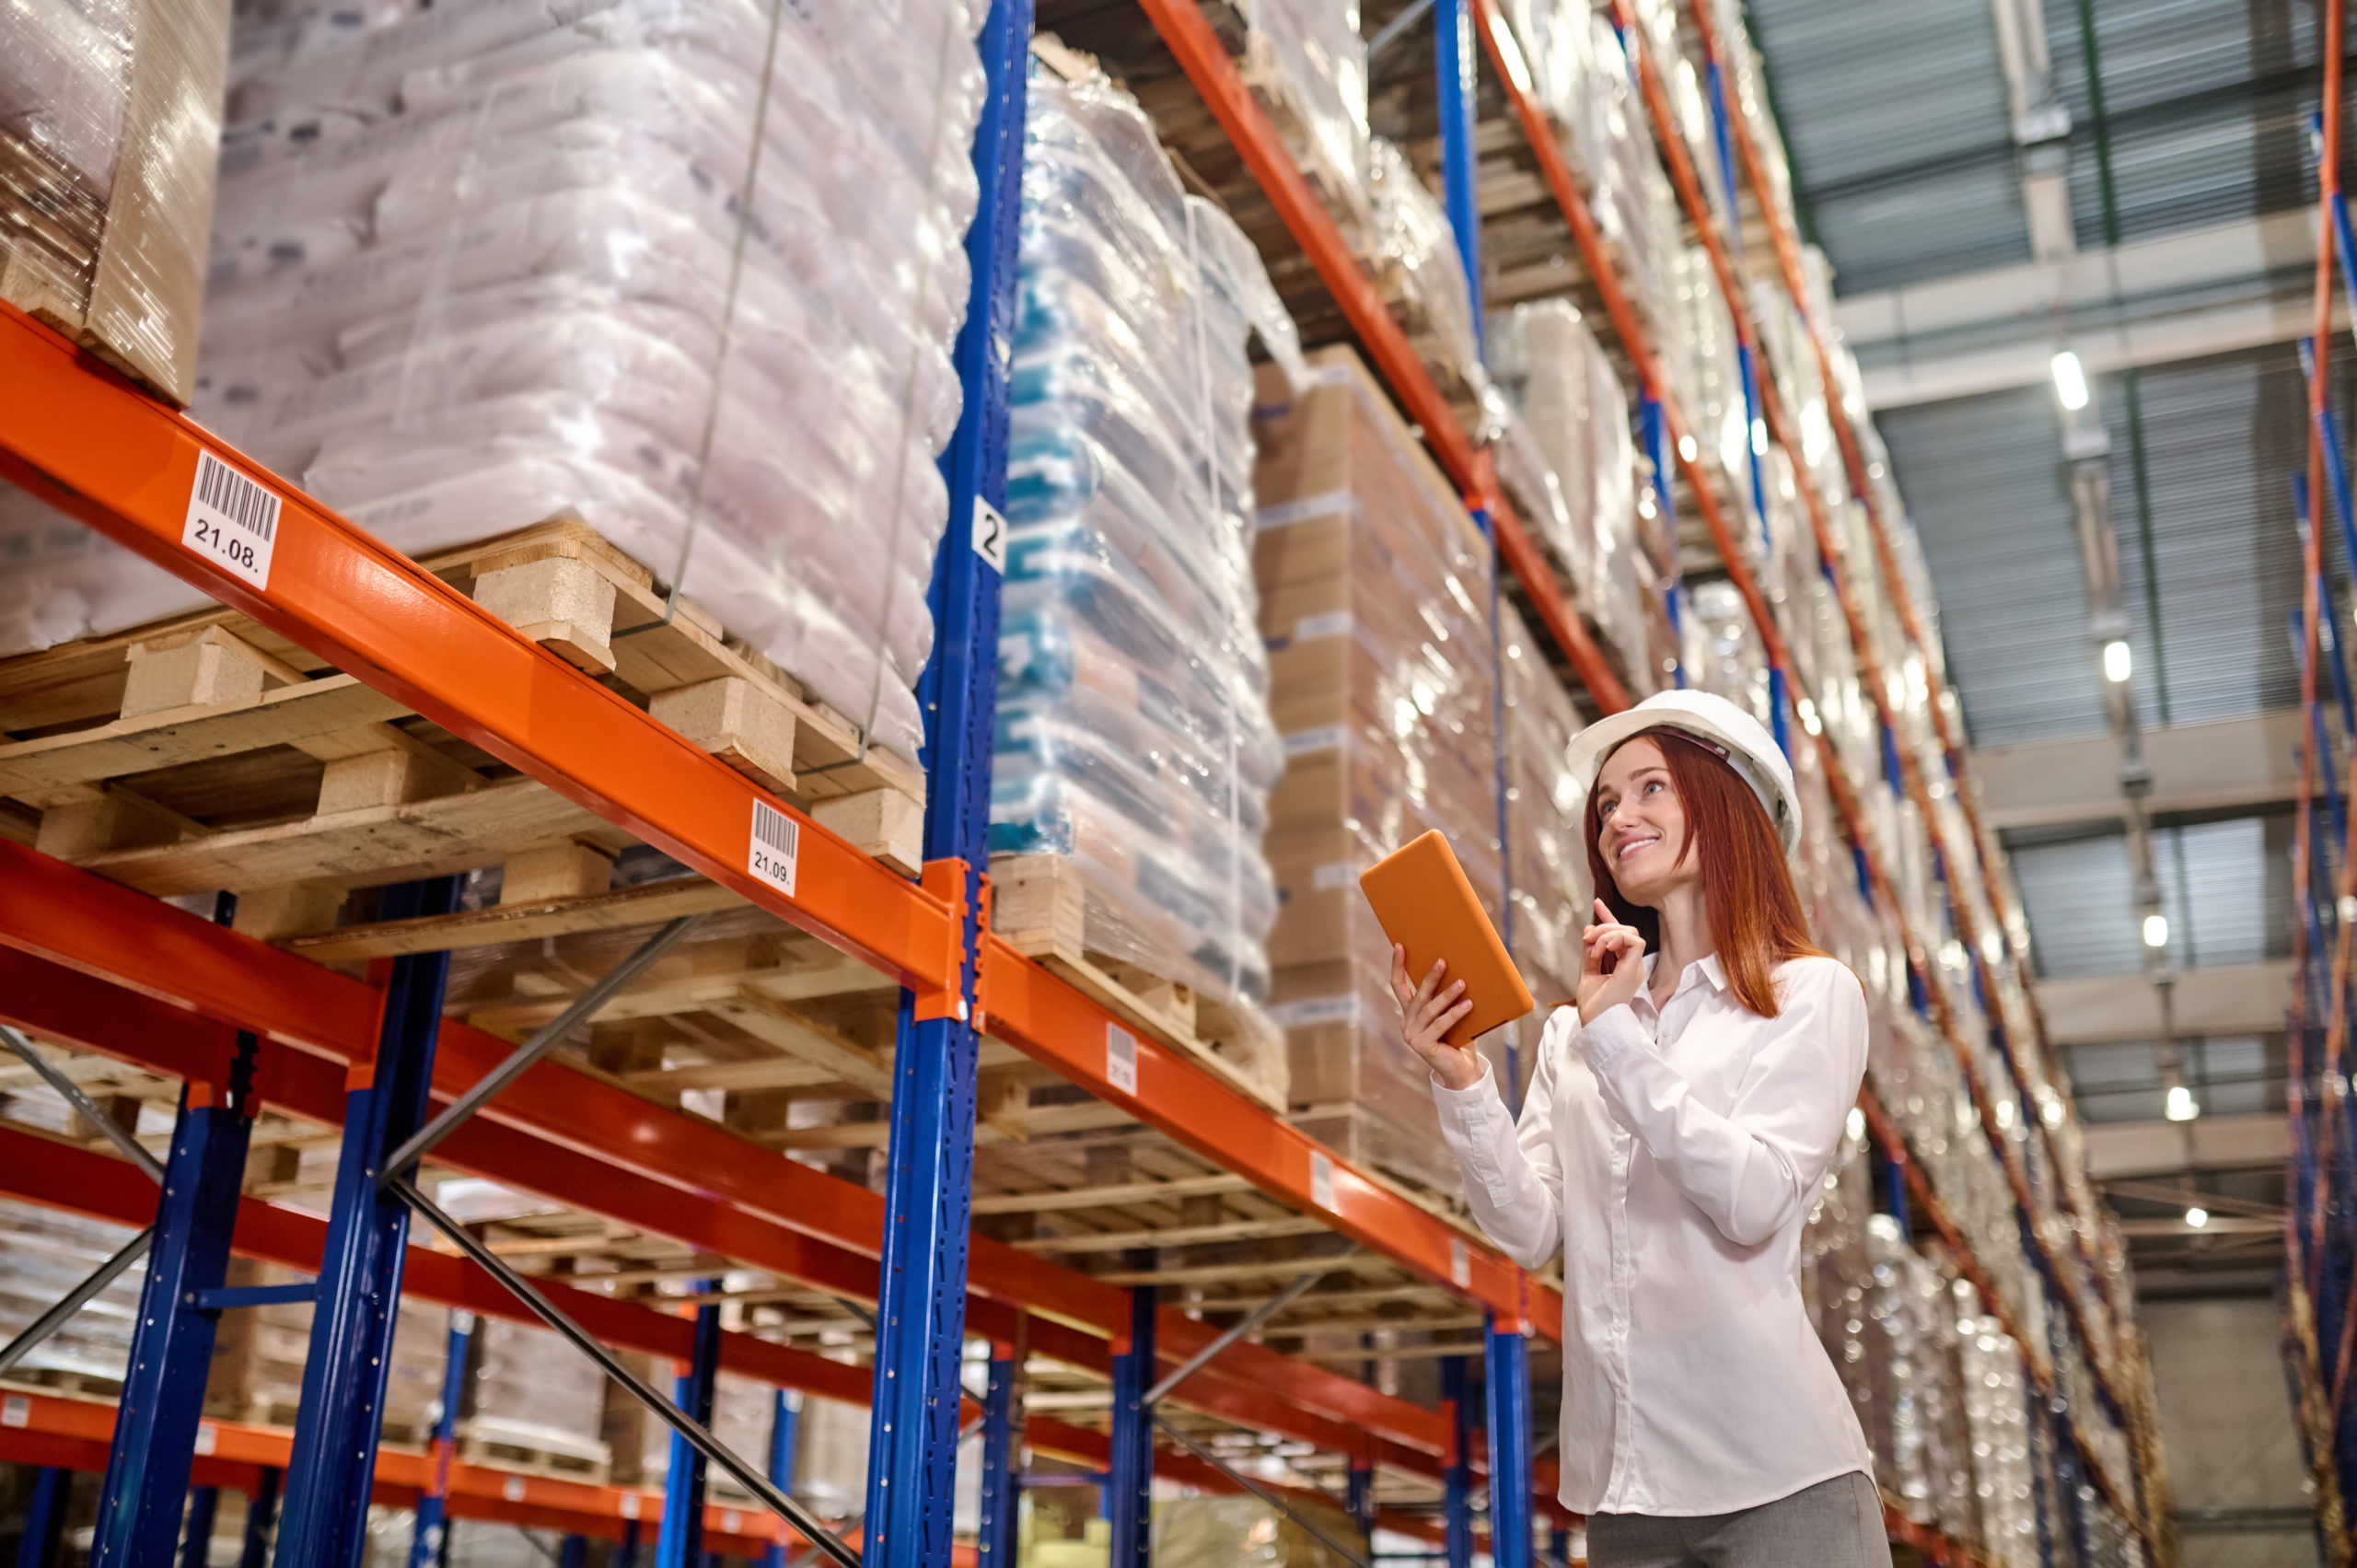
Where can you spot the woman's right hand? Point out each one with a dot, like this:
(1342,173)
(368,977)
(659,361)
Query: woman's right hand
(1429,1010)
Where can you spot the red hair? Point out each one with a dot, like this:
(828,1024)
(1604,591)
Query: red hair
(1747,892)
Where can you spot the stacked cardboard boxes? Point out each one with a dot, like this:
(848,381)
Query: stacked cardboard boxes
(1375,604)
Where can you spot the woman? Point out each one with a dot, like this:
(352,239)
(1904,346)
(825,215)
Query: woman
(1680,1122)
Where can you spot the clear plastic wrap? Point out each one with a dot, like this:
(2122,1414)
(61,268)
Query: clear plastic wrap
(1375,604)
(533,1391)
(1308,63)
(1244,1532)
(110,114)
(1133,733)
(1576,417)
(1422,274)
(49,1252)
(661,265)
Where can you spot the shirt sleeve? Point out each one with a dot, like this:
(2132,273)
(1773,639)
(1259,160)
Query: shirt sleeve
(1757,1168)
(1513,1176)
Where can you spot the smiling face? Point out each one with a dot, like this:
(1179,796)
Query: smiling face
(1641,831)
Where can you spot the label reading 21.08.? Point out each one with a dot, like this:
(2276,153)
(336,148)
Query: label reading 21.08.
(232,521)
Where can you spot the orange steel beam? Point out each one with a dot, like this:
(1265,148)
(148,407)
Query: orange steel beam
(80,437)
(1196,46)
(1055,1025)
(1635,343)
(594,1145)
(37,1428)
(1686,180)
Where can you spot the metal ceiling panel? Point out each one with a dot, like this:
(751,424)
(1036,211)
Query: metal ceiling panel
(1983,481)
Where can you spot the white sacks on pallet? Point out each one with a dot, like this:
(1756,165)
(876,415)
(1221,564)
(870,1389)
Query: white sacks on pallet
(689,269)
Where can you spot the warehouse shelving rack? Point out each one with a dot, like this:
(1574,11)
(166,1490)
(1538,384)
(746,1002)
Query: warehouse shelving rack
(2321,1179)
(95,967)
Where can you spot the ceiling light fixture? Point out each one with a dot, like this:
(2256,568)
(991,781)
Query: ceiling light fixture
(2181,1105)
(2197,1217)
(2118,662)
(2069,380)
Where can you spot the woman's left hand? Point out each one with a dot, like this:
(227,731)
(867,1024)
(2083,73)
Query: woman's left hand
(1612,965)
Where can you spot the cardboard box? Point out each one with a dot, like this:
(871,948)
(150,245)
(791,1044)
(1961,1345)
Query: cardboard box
(106,186)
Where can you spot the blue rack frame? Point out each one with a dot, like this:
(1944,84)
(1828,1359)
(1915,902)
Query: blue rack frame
(929,1190)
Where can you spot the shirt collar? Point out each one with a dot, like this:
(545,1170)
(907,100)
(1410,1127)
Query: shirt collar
(1713,973)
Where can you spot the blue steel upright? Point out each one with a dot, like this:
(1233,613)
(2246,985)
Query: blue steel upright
(921,1315)
(679,1543)
(46,1518)
(1453,49)
(324,1520)
(786,1442)
(1128,1480)
(996,1541)
(171,1349)
(196,1539)
(1508,1385)
(431,1533)
(1456,1480)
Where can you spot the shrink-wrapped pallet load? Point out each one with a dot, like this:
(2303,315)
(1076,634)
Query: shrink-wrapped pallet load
(110,117)
(1375,604)
(1133,734)
(687,272)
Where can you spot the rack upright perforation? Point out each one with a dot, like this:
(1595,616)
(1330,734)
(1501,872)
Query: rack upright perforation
(86,959)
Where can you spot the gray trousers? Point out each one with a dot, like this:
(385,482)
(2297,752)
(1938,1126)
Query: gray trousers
(1835,1524)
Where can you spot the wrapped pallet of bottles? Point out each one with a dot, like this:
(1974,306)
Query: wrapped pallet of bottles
(484,266)
(1133,733)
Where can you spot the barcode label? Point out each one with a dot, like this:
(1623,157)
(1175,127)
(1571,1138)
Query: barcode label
(1460,1263)
(1334,877)
(1121,1059)
(731,1521)
(512,1489)
(16,1411)
(1325,737)
(1333,623)
(1321,1179)
(207,1436)
(631,1506)
(231,520)
(777,841)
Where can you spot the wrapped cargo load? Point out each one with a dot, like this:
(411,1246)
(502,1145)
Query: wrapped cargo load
(1306,64)
(1375,604)
(1133,733)
(689,273)
(1546,811)
(109,125)
(1244,1532)
(1417,265)
(1568,399)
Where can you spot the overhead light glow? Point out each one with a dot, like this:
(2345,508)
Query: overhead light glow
(2181,1106)
(1759,437)
(2069,380)
(2197,1218)
(1857,1122)
(1686,447)
(2118,662)
(2156,931)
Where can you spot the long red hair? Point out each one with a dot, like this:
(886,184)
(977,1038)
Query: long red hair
(1747,892)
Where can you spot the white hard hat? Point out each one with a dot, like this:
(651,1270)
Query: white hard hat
(1725,728)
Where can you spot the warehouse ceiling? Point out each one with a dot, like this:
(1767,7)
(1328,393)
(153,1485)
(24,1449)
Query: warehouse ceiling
(1995,180)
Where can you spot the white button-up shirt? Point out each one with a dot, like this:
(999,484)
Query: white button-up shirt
(1673,1155)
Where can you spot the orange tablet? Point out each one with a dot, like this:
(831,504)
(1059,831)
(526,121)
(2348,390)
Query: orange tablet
(1421,895)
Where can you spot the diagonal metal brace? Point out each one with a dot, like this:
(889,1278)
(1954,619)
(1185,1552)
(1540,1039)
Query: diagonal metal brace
(77,1097)
(422,1141)
(1272,1499)
(1252,1320)
(751,1476)
(76,1299)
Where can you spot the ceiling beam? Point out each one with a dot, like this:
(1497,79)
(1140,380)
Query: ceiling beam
(2164,1148)
(2214,999)
(2223,765)
(2204,291)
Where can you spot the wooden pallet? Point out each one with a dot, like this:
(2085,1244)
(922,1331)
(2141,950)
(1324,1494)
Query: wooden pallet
(513,1446)
(207,753)
(1040,907)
